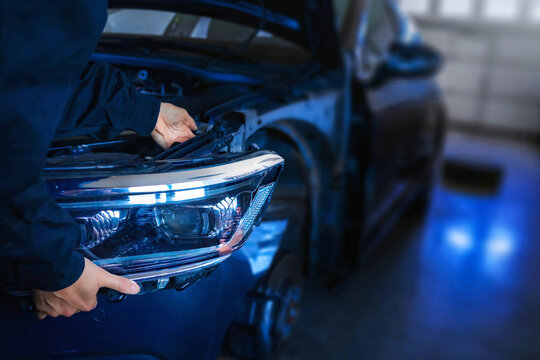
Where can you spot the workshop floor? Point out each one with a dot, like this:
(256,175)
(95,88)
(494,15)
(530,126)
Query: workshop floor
(462,284)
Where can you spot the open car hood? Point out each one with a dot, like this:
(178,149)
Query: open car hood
(308,23)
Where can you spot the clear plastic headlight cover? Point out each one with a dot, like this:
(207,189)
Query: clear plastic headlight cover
(153,225)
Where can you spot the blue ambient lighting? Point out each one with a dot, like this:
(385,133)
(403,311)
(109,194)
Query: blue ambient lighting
(459,239)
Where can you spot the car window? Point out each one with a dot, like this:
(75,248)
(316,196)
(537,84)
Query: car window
(379,32)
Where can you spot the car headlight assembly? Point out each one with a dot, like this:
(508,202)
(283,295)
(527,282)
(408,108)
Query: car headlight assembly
(176,221)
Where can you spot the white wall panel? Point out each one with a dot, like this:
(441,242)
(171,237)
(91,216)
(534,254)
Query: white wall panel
(465,77)
(456,8)
(470,48)
(462,108)
(491,77)
(515,83)
(519,117)
(519,49)
(416,6)
(507,10)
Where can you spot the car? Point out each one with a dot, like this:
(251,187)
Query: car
(329,108)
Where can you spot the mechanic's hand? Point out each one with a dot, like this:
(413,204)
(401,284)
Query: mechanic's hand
(82,294)
(173,125)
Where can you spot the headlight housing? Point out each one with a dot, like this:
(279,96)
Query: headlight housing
(173,219)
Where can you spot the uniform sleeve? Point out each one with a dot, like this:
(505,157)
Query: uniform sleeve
(104,103)
(44,48)
(37,237)
(38,242)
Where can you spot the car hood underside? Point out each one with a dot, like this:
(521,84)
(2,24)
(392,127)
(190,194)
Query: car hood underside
(298,21)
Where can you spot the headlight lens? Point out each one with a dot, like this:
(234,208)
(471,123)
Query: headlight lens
(215,220)
(149,226)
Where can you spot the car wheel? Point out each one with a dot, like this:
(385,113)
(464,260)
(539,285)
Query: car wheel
(274,307)
(273,304)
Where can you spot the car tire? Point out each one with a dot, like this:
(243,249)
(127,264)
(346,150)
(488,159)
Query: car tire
(274,308)
(274,303)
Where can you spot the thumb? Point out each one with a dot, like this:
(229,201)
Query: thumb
(40,315)
(158,138)
(120,284)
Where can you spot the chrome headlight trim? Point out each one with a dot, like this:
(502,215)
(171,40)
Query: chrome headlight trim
(181,180)
(175,271)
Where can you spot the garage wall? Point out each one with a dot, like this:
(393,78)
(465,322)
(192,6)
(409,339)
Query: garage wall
(492,50)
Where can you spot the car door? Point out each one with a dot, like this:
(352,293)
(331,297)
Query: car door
(397,108)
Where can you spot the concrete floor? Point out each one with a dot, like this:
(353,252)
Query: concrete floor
(463,284)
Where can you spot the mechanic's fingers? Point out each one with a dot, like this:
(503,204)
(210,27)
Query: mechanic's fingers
(62,307)
(185,135)
(158,138)
(43,307)
(87,306)
(69,312)
(191,123)
(186,118)
(120,284)
(40,315)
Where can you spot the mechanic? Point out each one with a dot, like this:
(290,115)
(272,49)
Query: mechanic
(48,90)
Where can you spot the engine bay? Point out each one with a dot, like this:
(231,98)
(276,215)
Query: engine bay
(129,149)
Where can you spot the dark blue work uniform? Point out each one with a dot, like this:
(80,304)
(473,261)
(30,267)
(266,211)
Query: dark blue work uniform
(47,89)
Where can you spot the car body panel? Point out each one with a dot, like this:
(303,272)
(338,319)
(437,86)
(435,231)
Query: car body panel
(169,324)
(403,110)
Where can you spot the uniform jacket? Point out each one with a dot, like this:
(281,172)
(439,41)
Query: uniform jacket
(48,89)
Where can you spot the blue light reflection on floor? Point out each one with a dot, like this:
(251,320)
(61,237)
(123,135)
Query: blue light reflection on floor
(477,259)
(488,245)
(483,235)
(459,238)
